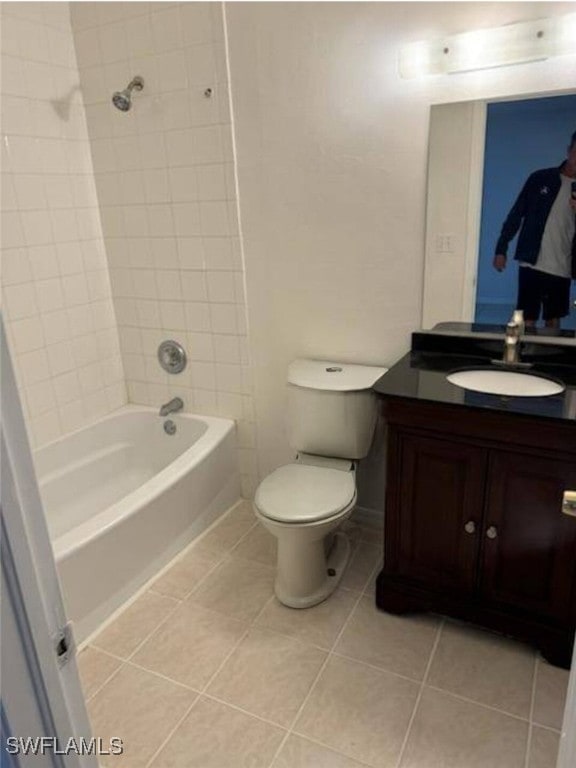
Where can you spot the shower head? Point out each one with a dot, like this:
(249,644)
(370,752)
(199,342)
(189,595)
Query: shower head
(122,100)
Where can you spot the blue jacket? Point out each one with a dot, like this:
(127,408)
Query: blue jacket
(529,214)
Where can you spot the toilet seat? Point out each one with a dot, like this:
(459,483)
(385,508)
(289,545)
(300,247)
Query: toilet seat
(300,493)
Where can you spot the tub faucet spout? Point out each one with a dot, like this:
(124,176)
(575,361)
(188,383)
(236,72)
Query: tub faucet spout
(173,406)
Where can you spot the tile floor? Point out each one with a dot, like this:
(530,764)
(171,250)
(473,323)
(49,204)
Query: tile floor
(207,670)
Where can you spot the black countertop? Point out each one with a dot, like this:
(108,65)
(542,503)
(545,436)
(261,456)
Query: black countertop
(421,375)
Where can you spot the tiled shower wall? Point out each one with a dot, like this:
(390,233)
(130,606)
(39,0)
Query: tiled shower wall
(165,179)
(57,302)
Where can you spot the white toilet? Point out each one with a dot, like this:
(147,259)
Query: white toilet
(331,417)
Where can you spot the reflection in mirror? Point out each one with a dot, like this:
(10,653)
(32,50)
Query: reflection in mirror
(529,166)
(480,157)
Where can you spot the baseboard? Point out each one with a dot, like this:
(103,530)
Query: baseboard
(369,518)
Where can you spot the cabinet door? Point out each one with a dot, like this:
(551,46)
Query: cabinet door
(529,545)
(434,510)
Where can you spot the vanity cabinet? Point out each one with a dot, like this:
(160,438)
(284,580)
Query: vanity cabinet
(473,524)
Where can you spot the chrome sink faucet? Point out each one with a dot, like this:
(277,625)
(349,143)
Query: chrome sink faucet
(514,333)
(176,404)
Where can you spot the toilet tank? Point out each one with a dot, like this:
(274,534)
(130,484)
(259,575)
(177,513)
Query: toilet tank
(331,407)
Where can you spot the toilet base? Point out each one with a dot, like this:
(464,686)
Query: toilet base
(335,564)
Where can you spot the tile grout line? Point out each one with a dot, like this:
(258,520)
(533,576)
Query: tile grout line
(108,679)
(479,703)
(226,556)
(199,695)
(149,584)
(179,602)
(173,731)
(420,694)
(210,680)
(290,729)
(531,713)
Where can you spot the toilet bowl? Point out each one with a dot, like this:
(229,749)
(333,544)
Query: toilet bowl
(302,506)
(331,417)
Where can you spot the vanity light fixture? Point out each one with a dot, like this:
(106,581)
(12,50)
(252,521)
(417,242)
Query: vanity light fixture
(494,47)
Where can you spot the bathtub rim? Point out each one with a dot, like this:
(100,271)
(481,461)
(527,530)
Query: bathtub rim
(218,430)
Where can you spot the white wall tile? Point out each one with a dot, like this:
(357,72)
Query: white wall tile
(223,318)
(20,301)
(191,253)
(164,193)
(156,185)
(112,38)
(49,212)
(172,70)
(184,184)
(221,287)
(46,428)
(196,23)
(187,219)
(33,367)
(140,41)
(201,65)
(160,221)
(194,286)
(200,347)
(198,317)
(165,253)
(15,265)
(28,334)
(40,398)
(166,30)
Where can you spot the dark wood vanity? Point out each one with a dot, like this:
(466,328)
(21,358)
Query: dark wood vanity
(474,527)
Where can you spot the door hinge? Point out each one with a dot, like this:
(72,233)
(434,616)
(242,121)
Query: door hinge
(64,644)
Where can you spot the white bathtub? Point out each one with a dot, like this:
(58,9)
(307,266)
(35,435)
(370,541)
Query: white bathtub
(122,498)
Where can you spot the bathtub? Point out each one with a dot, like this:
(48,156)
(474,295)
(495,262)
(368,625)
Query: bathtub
(122,498)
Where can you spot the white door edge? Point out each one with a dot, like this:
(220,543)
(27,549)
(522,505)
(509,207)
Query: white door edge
(34,606)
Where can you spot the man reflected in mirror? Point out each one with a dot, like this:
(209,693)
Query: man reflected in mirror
(545,215)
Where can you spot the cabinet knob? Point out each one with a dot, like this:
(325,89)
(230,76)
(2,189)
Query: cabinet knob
(470,527)
(492,532)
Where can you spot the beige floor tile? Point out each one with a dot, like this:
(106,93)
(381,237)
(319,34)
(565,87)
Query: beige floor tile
(257,545)
(452,733)
(400,644)
(216,736)
(298,752)
(95,668)
(370,588)
(268,675)
(550,699)
(484,667)
(191,646)
(362,562)
(543,748)
(124,634)
(228,532)
(359,711)
(238,588)
(139,708)
(318,625)
(185,574)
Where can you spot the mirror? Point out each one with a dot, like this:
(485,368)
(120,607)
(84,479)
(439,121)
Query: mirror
(480,155)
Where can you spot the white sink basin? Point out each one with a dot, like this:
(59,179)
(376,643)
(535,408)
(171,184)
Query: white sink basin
(508,383)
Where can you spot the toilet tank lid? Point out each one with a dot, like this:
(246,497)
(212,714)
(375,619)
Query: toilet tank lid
(328,375)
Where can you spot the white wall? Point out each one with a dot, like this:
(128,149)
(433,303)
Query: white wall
(332,153)
(165,178)
(56,293)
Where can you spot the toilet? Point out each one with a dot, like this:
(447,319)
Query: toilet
(331,414)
